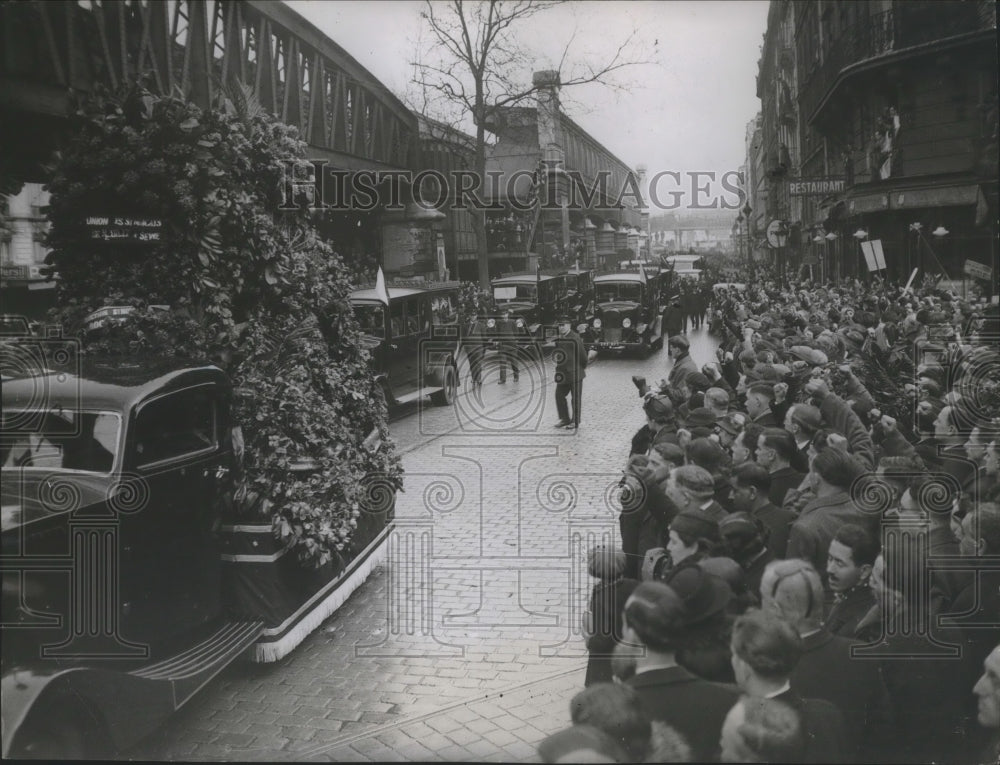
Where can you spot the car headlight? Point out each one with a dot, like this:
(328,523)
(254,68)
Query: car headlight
(597,323)
(520,323)
(491,323)
(627,323)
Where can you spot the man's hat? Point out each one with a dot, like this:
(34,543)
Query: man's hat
(700,418)
(704,595)
(731,424)
(815,357)
(658,407)
(694,523)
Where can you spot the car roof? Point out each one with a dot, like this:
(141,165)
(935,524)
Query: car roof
(111,384)
(525,278)
(367,296)
(626,276)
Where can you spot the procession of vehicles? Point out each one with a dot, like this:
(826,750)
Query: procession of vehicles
(92,663)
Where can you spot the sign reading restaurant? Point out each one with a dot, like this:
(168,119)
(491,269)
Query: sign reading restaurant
(816,187)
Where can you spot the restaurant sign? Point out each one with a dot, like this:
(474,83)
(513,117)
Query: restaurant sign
(816,187)
(124,229)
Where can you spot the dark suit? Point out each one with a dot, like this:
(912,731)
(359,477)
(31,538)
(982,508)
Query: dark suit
(766,420)
(823,724)
(778,522)
(818,524)
(571,363)
(828,671)
(695,708)
(846,613)
(781,481)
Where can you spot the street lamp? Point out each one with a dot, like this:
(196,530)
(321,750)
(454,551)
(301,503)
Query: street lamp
(746,215)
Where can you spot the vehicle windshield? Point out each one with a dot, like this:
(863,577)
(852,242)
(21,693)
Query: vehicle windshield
(605,293)
(518,292)
(371,319)
(59,438)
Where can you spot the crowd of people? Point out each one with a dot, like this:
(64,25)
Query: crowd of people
(809,567)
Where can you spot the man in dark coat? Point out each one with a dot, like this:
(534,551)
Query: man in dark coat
(673,318)
(750,489)
(657,618)
(475,349)
(765,651)
(793,590)
(570,356)
(775,450)
(849,564)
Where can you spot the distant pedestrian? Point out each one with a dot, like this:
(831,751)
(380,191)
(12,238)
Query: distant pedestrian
(571,363)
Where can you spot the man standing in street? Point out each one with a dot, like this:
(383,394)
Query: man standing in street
(571,363)
(508,350)
(673,318)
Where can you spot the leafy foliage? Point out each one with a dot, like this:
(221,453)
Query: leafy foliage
(247,285)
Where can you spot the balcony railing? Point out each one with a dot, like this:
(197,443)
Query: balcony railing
(907,25)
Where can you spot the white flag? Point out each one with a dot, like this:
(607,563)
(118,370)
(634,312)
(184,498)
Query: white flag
(380,289)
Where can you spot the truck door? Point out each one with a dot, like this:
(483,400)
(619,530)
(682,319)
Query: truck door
(170,557)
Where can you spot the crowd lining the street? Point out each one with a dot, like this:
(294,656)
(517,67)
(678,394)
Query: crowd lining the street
(810,561)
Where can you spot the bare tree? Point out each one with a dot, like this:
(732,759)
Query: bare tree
(476,66)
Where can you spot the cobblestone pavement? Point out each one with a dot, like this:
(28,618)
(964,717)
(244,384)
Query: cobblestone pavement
(465,644)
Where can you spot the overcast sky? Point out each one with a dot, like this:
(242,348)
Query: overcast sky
(686,111)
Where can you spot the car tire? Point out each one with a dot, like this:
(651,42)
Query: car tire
(446,396)
(60,731)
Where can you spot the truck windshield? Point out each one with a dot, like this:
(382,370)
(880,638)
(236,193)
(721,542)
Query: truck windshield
(370,317)
(619,291)
(59,438)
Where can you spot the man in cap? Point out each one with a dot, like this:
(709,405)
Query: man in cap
(570,356)
(678,349)
(692,488)
(750,493)
(657,619)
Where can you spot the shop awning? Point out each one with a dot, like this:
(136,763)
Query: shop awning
(868,203)
(943,196)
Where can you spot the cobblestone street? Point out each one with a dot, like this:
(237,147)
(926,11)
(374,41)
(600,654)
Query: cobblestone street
(465,644)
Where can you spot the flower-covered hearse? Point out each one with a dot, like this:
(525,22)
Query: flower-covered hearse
(129,578)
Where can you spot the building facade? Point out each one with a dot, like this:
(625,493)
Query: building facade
(538,153)
(897,101)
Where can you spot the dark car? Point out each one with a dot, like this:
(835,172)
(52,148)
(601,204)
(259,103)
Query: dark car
(114,481)
(535,298)
(627,314)
(414,344)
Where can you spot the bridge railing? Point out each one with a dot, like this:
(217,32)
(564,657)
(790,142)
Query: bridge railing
(199,46)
